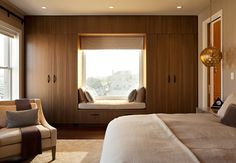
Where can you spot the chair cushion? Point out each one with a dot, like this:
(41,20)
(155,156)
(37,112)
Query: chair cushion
(13,135)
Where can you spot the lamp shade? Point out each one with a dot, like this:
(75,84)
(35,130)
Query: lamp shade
(211,56)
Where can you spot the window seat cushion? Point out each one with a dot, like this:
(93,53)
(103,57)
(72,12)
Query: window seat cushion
(112,104)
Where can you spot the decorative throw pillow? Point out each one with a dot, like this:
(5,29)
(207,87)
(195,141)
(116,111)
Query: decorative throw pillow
(22,118)
(141,95)
(230,116)
(89,96)
(132,95)
(231,99)
(82,97)
(3,117)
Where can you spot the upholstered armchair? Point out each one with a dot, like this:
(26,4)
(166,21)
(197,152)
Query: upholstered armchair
(10,138)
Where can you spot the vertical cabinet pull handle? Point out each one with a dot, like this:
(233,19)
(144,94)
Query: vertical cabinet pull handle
(54,78)
(168,78)
(49,79)
(174,79)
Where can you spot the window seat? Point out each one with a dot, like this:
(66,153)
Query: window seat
(112,104)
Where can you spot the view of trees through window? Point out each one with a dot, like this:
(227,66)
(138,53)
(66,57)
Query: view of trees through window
(5,67)
(112,73)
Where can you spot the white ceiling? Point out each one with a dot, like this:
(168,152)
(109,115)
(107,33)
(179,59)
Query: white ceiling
(100,7)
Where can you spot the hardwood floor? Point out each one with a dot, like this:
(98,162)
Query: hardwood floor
(81,132)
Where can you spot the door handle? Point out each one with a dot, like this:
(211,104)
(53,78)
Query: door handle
(49,79)
(54,78)
(168,78)
(174,79)
(95,114)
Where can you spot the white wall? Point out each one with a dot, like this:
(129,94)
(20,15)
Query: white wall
(229,45)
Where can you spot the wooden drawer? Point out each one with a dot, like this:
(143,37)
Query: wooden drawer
(103,116)
(93,117)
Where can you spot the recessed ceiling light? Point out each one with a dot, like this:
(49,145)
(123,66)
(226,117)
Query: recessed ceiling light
(44,7)
(179,7)
(111,7)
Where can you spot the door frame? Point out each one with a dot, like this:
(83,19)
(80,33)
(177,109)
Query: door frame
(204,94)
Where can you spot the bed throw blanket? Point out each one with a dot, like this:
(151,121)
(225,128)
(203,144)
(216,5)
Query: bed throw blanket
(210,140)
(143,139)
(31,137)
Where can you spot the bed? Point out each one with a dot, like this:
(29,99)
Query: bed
(168,138)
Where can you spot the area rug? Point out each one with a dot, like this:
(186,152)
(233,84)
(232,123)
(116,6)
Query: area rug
(73,151)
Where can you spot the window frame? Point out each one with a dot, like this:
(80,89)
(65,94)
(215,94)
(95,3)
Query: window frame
(14,59)
(112,97)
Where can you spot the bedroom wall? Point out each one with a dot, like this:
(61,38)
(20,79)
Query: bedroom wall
(17,24)
(229,44)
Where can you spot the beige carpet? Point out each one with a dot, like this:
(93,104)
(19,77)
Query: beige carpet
(74,151)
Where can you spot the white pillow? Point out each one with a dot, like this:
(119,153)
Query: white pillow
(231,99)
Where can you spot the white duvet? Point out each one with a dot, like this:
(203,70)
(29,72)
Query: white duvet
(143,139)
(169,138)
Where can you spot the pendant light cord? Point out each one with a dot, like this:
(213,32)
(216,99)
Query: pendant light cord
(211,45)
(210,11)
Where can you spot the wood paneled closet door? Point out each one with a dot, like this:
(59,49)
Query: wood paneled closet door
(39,70)
(65,78)
(189,73)
(176,73)
(163,77)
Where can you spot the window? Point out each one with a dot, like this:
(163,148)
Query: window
(9,65)
(112,73)
(5,69)
(111,69)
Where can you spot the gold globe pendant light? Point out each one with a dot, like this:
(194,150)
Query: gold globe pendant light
(211,56)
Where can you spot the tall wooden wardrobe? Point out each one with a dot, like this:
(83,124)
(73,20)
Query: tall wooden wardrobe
(51,74)
(172,65)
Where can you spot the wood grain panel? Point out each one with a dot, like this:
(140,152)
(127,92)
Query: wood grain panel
(157,72)
(175,103)
(38,68)
(56,37)
(189,67)
(111,24)
(103,116)
(172,24)
(65,71)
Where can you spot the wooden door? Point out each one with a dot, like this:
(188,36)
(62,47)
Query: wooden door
(163,77)
(175,72)
(189,66)
(38,70)
(217,68)
(214,73)
(65,78)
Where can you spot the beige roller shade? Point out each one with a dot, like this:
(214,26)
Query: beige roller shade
(7,32)
(111,42)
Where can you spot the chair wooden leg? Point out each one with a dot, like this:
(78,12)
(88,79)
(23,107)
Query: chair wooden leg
(53,153)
